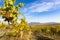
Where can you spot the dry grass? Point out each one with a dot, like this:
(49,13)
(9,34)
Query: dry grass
(39,32)
(48,31)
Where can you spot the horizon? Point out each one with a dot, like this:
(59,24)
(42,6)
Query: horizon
(44,22)
(42,11)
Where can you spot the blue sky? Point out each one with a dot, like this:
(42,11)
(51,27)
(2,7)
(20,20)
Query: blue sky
(40,10)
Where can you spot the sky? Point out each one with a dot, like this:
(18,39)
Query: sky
(40,10)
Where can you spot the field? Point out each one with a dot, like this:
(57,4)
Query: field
(38,32)
(46,32)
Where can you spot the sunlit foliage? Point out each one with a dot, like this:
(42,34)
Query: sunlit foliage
(10,14)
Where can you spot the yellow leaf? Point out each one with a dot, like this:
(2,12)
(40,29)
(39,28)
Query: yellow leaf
(11,15)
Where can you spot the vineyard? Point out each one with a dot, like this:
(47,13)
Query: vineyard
(15,28)
(46,32)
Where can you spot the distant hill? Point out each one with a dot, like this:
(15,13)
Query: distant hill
(34,23)
(38,23)
(51,23)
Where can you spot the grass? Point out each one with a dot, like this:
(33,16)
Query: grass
(39,32)
(48,31)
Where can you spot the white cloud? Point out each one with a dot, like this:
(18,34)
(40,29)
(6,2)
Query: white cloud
(41,7)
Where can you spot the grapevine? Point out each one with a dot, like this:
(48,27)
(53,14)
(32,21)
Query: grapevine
(10,14)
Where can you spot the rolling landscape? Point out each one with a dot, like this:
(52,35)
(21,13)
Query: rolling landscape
(45,31)
(29,19)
